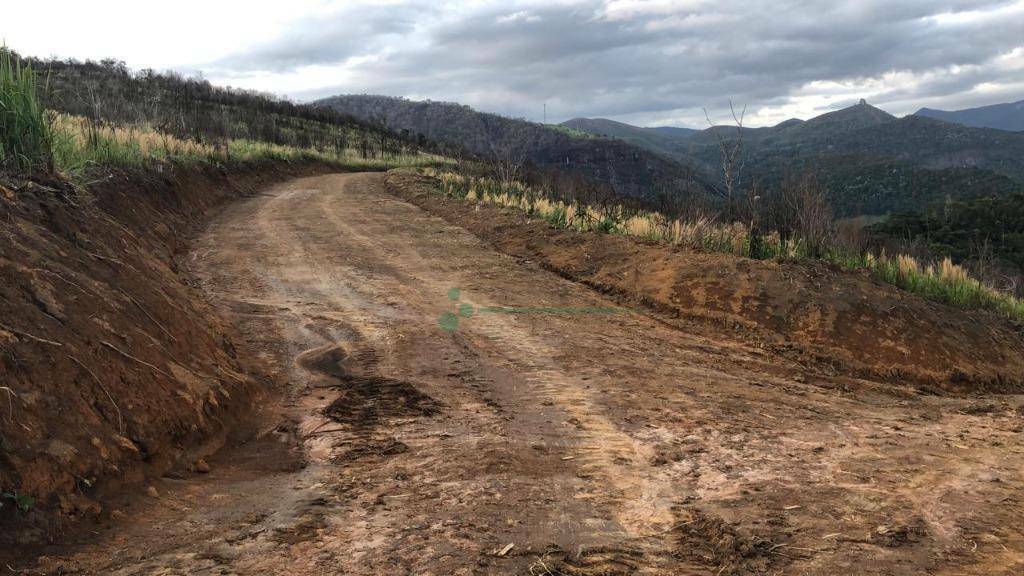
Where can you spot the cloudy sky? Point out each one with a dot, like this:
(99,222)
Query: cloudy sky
(652,62)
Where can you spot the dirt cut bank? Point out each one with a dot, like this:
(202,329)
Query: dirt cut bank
(812,311)
(111,366)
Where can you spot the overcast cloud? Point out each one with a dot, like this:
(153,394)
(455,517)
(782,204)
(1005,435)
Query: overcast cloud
(644,62)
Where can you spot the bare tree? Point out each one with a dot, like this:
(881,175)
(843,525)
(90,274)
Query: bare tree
(506,162)
(732,153)
(807,202)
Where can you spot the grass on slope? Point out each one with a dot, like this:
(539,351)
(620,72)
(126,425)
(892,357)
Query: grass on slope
(79,144)
(942,281)
(34,139)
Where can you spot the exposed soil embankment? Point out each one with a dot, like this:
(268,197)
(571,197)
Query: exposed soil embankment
(111,365)
(836,319)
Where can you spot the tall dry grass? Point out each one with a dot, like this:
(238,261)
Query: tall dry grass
(80,143)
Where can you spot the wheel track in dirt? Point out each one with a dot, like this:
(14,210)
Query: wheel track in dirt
(595,443)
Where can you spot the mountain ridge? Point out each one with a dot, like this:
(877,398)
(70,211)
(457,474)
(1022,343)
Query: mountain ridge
(1008,116)
(873,162)
(630,170)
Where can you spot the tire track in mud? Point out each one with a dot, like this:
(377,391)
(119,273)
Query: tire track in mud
(603,453)
(612,469)
(599,451)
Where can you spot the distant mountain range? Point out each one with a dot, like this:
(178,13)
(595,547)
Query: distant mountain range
(999,116)
(871,161)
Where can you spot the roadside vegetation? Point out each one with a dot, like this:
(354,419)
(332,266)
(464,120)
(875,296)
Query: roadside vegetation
(790,223)
(987,234)
(70,117)
(78,144)
(26,131)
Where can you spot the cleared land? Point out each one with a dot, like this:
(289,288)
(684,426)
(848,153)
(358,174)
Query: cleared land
(594,443)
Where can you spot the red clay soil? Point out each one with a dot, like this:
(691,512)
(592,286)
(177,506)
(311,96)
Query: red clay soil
(838,320)
(111,366)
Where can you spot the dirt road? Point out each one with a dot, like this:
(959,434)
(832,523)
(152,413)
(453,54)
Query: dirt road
(450,410)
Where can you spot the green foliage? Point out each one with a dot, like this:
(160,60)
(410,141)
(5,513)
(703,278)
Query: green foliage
(608,224)
(860,184)
(20,501)
(558,217)
(570,132)
(25,130)
(960,229)
(949,284)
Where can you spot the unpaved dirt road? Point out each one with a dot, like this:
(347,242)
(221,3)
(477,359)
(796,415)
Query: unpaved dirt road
(590,441)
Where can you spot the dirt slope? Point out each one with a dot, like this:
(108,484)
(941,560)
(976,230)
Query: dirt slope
(811,311)
(111,367)
(425,429)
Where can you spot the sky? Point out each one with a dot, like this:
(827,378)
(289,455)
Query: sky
(649,63)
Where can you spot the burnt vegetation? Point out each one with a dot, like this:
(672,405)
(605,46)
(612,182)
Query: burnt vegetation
(107,96)
(630,171)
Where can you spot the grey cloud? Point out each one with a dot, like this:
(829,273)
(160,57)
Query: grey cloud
(583,60)
(327,39)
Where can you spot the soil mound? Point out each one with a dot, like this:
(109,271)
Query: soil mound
(111,365)
(842,320)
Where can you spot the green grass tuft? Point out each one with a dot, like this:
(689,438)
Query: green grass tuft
(26,132)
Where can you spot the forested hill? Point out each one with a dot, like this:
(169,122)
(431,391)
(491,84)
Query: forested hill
(873,162)
(629,169)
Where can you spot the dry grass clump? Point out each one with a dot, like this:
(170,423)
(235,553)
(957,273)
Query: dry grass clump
(946,282)
(81,142)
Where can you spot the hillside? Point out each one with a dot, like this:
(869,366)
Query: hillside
(124,116)
(873,162)
(929,143)
(664,140)
(1008,116)
(630,170)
